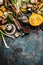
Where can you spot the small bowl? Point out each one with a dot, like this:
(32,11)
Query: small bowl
(26,30)
(11,29)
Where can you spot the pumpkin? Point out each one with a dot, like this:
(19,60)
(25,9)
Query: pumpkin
(35,19)
(3,8)
(1,13)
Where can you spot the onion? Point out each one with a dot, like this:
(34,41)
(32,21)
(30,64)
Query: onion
(34,1)
(1,2)
(10,29)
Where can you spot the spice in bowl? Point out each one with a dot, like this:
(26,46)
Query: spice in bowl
(26,29)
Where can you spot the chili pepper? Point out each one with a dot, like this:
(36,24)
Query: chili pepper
(15,10)
(17,24)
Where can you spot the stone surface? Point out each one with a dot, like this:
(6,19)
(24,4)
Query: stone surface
(27,50)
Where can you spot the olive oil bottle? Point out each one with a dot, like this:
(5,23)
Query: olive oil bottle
(23,6)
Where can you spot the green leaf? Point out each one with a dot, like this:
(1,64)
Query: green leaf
(42,13)
(9,17)
(3,38)
(4,41)
(41,0)
(15,1)
(27,1)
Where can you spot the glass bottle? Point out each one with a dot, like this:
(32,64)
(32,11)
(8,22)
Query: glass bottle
(23,6)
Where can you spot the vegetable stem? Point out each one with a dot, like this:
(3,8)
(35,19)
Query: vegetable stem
(4,41)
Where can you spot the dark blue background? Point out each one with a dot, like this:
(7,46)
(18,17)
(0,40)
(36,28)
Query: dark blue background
(27,50)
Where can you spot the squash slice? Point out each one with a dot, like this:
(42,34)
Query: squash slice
(35,19)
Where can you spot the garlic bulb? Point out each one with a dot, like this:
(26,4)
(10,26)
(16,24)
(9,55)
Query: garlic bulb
(1,2)
(34,1)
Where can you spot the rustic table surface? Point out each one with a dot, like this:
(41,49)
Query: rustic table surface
(27,50)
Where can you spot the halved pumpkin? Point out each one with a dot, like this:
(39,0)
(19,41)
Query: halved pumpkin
(35,19)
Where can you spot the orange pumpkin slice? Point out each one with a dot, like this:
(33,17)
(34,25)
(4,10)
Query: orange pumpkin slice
(1,13)
(35,19)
